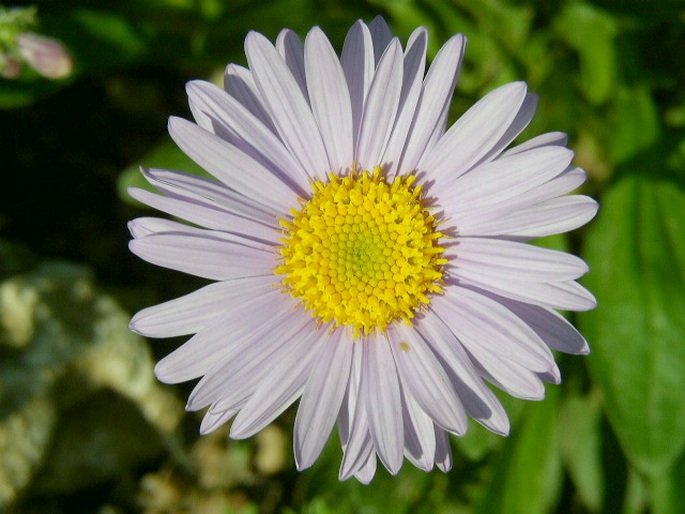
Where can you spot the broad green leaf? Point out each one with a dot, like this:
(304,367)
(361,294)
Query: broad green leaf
(526,477)
(591,32)
(636,253)
(667,494)
(580,440)
(633,123)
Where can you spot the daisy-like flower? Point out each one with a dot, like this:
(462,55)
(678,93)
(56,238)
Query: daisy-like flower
(364,257)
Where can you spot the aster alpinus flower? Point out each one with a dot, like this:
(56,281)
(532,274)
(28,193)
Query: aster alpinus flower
(365,259)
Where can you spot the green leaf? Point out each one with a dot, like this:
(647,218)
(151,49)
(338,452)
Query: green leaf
(591,32)
(581,445)
(527,475)
(667,491)
(636,252)
(633,123)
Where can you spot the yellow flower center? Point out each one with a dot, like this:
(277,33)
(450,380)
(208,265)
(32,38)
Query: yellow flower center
(362,252)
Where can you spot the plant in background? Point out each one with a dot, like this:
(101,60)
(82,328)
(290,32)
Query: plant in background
(365,258)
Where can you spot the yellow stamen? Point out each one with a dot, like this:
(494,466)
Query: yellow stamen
(362,252)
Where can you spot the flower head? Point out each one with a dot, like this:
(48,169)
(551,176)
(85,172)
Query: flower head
(365,258)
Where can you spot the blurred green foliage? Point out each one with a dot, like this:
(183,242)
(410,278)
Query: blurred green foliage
(610,439)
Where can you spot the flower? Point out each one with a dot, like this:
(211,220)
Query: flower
(365,258)
(45,54)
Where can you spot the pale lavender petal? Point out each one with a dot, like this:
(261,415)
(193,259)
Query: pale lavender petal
(380,393)
(236,124)
(443,450)
(204,256)
(554,216)
(412,81)
(419,434)
(424,378)
(237,373)
(501,180)
(434,103)
(551,326)
(194,312)
(514,261)
(478,320)
(238,83)
(213,420)
(194,358)
(322,398)
(208,217)
(512,378)
(380,108)
(474,134)
(380,35)
(478,400)
(330,99)
(291,49)
(568,295)
(548,139)
(230,165)
(368,470)
(282,385)
(210,193)
(357,60)
(289,109)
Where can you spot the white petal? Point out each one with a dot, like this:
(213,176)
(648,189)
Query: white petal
(213,420)
(194,312)
(291,49)
(478,320)
(431,113)
(237,373)
(380,393)
(234,123)
(321,400)
(380,35)
(289,109)
(443,450)
(510,260)
(412,81)
(330,99)
(554,216)
(380,108)
(512,378)
(230,165)
(475,133)
(208,217)
(419,435)
(502,180)
(282,385)
(368,470)
(548,139)
(238,83)
(210,193)
(203,256)
(357,60)
(478,400)
(424,378)
(194,358)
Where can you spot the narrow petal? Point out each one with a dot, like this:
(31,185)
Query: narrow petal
(290,47)
(419,434)
(504,179)
(368,470)
(194,358)
(380,108)
(412,81)
(194,312)
(380,35)
(208,217)
(203,257)
(515,261)
(234,123)
(431,113)
(443,450)
(512,378)
(475,133)
(426,381)
(554,216)
(281,386)
(288,107)
(380,393)
(213,420)
(548,139)
(478,400)
(330,99)
(477,320)
(322,398)
(357,60)
(230,165)
(238,83)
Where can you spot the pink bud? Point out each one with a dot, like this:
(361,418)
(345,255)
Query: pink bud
(46,55)
(10,68)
